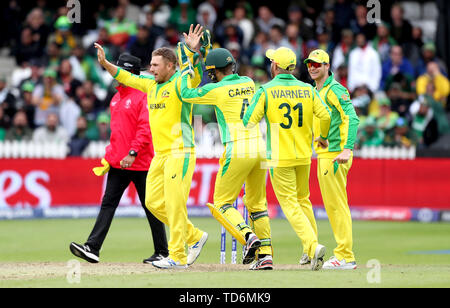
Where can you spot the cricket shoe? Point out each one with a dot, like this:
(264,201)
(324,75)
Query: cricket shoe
(84,252)
(305,259)
(194,250)
(168,263)
(154,257)
(317,261)
(264,263)
(334,263)
(250,248)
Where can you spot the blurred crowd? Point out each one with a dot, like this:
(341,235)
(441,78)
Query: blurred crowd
(57,91)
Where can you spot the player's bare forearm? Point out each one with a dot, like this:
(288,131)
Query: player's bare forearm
(111,68)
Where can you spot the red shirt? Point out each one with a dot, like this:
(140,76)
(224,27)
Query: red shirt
(130,129)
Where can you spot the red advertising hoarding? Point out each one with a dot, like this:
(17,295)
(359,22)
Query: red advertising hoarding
(45,183)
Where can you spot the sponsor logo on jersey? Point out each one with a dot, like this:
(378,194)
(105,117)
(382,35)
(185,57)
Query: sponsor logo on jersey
(157,106)
(165,94)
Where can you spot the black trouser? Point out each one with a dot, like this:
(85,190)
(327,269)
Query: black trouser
(118,181)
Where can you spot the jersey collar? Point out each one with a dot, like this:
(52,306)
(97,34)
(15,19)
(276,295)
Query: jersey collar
(285,76)
(327,82)
(230,77)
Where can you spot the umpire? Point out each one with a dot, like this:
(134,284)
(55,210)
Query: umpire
(127,159)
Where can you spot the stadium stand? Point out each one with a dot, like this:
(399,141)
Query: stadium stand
(48,65)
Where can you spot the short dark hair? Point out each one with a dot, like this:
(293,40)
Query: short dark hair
(290,69)
(226,70)
(166,53)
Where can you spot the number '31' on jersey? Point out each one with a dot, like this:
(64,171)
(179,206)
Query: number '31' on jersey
(288,106)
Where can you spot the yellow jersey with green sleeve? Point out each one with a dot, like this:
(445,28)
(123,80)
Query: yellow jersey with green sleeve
(230,97)
(170,117)
(344,120)
(288,106)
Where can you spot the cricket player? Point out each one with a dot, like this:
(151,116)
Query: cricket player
(335,161)
(170,174)
(288,106)
(243,154)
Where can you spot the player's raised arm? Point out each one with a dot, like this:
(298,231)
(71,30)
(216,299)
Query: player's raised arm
(111,68)
(188,54)
(141,83)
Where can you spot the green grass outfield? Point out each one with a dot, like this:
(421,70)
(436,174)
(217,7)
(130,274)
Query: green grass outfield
(34,253)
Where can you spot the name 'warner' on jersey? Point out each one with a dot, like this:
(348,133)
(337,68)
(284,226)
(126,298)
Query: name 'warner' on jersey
(231,97)
(288,106)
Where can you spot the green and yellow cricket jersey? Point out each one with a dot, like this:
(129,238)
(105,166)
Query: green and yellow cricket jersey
(231,97)
(344,121)
(170,117)
(288,106)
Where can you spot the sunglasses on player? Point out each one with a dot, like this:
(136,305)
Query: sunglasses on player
(314,64)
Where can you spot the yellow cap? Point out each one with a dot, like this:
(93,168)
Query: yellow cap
(318,56)
(283,57)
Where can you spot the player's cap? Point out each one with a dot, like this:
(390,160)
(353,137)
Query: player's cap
(219,58)
(129,63)
(318,56)
(283,57)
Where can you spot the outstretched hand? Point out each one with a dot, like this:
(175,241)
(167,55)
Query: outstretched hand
(100,54)
(192,39)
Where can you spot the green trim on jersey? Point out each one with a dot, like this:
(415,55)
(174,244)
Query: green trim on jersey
(185,121)
(223,127)
(251,108)
(343,97)
(186,164)
(228,154)
(117,73)
(335,166)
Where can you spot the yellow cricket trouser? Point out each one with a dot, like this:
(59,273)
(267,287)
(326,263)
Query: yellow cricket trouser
(241,163)
(291,186)
(333,186)
(167,190)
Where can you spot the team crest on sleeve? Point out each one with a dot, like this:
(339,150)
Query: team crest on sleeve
(345,97)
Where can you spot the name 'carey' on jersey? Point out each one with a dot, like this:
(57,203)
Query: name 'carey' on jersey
(242,91)
(300,93)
